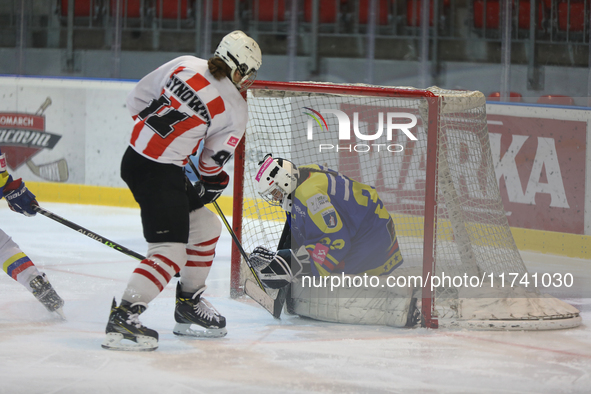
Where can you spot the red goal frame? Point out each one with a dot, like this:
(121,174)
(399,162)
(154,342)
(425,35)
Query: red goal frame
(433,102)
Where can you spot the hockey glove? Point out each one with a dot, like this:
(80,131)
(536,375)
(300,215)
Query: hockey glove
(273,268)
(211,187)
(19,198)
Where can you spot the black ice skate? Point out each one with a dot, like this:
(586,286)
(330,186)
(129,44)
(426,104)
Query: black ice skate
(194,309)
(124,323)
(45,293)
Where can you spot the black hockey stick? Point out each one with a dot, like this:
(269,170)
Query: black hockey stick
(88,233)
(238,245)
(259,294)
(234,237)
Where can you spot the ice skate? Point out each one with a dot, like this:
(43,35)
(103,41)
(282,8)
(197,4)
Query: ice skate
(45,293)
(192,309)
(124,324)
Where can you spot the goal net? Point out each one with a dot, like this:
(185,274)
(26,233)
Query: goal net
(427,153)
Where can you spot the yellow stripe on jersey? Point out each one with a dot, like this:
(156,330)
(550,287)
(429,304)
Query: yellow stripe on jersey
(3,178)
(363,200)
(321,270)
(314,190)
(388,266)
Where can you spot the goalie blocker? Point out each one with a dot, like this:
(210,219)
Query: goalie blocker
(348,303)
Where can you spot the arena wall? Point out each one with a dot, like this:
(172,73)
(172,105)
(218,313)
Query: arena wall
(540,152)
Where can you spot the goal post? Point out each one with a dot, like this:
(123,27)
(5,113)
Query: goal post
(427,153)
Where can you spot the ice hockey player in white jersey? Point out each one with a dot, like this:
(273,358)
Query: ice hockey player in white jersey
(182,104)
(14,261)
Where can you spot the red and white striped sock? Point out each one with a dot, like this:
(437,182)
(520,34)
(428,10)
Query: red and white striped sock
(153,274)
(199,259)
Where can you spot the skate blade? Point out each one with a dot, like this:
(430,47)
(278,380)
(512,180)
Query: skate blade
(61,314)
(144,343)
(185,330)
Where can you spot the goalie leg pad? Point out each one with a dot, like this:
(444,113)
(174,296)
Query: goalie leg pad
(353,305)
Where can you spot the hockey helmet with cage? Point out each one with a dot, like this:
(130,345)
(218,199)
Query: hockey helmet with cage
(241,53)
(276,180)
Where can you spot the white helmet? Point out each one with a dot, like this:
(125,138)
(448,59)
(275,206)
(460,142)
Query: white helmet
(242,53)
(276,180)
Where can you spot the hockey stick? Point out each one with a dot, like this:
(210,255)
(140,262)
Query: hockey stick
(238,245)
(257,293)
(55,171)
(88,233)
(234,237)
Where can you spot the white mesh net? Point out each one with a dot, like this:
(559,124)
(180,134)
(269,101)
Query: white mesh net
(472,235)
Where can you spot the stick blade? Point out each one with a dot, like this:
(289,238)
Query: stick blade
(273,304)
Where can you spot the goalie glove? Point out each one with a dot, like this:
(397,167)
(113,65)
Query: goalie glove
(275,268)
(211,187)
(19,198)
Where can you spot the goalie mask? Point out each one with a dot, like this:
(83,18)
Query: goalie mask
(276,180)
(243,55)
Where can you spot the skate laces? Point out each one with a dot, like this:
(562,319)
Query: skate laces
(203,308)
(133,318)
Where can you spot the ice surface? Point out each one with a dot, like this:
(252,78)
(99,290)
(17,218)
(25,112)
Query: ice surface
(40,354)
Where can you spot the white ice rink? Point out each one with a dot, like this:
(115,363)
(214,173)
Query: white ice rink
(41,354)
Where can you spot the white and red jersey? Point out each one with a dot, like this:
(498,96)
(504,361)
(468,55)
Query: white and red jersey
(180,104)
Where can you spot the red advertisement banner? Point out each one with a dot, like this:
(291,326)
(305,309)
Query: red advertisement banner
(540,167)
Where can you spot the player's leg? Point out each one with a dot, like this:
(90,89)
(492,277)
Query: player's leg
(159,190)
(194,315)
(20,268)
(204,233)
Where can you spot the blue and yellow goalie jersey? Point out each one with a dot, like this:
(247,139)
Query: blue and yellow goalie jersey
(343,224)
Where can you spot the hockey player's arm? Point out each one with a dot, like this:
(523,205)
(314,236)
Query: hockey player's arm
(218,149)
(228,124)
(326,249)
(321,229)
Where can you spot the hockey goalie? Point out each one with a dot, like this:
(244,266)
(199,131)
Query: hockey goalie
(337,249)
